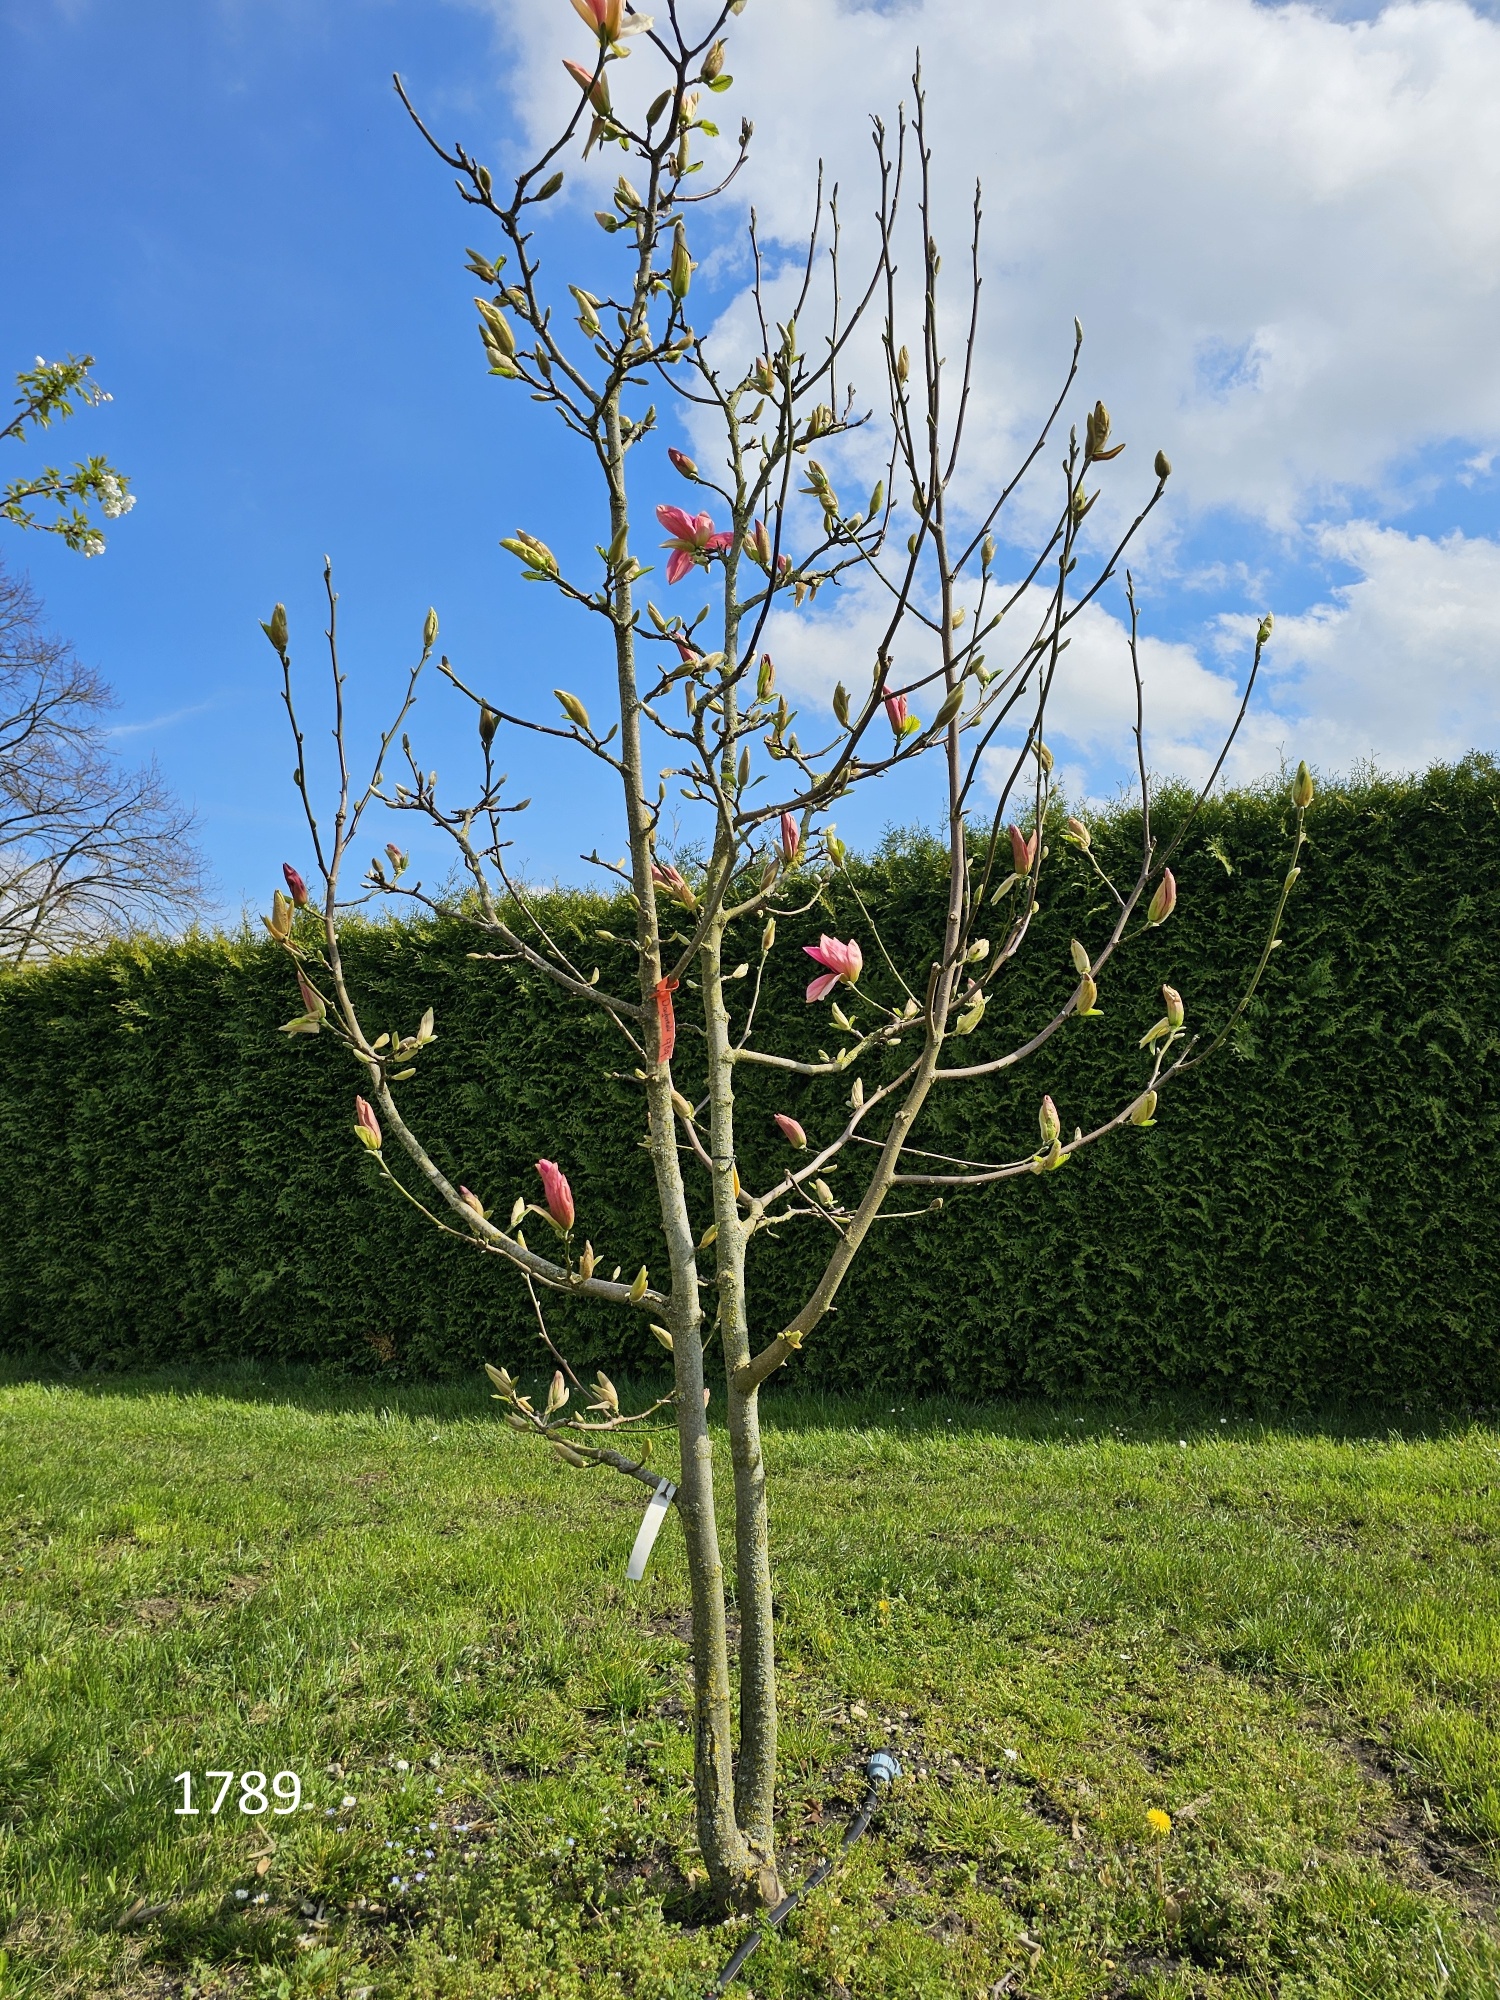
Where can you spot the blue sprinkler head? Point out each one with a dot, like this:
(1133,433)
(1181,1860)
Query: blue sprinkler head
(883,1768)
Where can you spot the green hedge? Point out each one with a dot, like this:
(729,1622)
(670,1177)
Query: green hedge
(1314,1216)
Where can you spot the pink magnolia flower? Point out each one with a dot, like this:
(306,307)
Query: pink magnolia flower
(694,539)
(672,880)
(606,14)
(367,1125)
(895,708)
(296,884)
(556,1193)
(791,837)
(1164,902)
(1022,850)
(608,18)
(791,1130)
(844,962)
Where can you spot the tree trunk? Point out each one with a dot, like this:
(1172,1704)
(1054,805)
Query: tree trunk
(755,1775)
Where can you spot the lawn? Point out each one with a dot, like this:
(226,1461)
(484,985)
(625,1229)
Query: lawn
(1286,1637)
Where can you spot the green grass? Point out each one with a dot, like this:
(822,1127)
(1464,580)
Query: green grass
(1288,1637)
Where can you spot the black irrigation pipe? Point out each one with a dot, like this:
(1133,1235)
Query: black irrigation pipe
(881,1769)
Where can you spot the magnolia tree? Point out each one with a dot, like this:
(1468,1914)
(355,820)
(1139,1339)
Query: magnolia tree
(763,532)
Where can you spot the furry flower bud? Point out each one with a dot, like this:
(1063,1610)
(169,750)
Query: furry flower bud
(1164,902)
(1302,788)
(1049,1121)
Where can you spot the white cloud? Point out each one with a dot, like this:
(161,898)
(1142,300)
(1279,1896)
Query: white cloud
(1281,228)
(1402,665)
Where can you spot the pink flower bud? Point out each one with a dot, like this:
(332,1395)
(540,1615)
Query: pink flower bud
(367,1125)
(895,708)
(1171,999)
(791,1130)
(791,837)
(312,1000)
(1022,851)
(295,883)
(683,463)
(1164,902)
(556,1193)
(471,1201)
(666,1020)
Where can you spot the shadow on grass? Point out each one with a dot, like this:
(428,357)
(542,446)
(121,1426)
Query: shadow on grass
(784,1407)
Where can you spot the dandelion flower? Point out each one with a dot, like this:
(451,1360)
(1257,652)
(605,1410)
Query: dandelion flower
(1159,1822)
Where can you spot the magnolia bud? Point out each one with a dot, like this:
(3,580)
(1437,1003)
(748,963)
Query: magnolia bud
(1164,902)
(557,1392)
(1088,993)
(1143,1110)
(1049,1121)
(823,1192)
(298,887)
(638,1289)
(429,630)
(683,463)
(279,923)
(903,369)
(1081,962)
(1263,630)
(471,1201)
(768,935)
(1078,834)
(952,703)
(503,1382)
(713,63)
(496,327)
(605,1390)
(518,1209)
(489,722)
(682,263)
(366,1125)
(275,628)
(1302,788)
(569,1454)
(841,704)
(662,1335)
(765,678)
(573,708)
(587,1263)
(1163,466)
(1171,999)
(312,1000)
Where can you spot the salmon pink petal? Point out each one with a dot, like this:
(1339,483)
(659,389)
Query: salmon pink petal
(679,562)
(675,521)
(823,985)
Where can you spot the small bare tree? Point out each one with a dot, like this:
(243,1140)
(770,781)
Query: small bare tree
(89,850)
(703,691)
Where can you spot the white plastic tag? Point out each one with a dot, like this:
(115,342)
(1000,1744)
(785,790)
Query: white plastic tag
(645,1541)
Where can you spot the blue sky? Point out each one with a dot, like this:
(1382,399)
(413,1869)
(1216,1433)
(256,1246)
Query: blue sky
(225,204)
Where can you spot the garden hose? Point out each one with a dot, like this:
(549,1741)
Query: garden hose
(880,1770)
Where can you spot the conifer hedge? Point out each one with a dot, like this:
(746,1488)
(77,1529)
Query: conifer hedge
(1312,1218)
